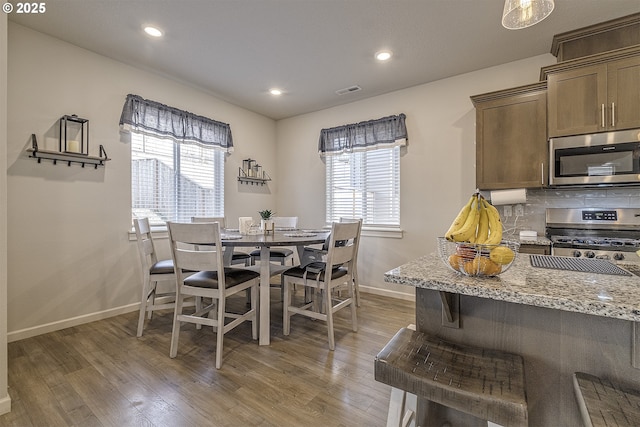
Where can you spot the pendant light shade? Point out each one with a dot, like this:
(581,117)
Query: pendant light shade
(519,14)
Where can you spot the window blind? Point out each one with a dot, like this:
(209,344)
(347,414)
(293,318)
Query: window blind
(364,184)
(173,181)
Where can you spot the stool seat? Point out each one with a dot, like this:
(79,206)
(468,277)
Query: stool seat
(487,384)
(603,403)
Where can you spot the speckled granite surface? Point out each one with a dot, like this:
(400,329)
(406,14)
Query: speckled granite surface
(538,241)
(597,294)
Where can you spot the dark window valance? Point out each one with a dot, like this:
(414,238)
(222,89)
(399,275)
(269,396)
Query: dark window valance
(158,119)
(385,132)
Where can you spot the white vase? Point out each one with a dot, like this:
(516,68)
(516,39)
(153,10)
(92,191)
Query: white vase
(267,225)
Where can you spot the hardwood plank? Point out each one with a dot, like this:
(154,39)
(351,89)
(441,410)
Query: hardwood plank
(100,374)
(40,404)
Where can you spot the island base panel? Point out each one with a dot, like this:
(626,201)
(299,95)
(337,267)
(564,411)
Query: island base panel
(553,343)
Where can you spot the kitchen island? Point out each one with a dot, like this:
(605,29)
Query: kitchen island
(561,322)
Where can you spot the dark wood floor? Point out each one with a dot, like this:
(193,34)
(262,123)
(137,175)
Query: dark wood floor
(100,374)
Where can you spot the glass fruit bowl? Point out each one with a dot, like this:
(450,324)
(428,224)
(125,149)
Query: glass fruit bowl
(477,260)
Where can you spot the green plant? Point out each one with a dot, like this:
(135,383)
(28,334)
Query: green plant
(266,214)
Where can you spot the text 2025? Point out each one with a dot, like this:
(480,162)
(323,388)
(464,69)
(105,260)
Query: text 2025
(31,7)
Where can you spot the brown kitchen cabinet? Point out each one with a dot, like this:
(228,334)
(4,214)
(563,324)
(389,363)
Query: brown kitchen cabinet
(511,138)
(586,97)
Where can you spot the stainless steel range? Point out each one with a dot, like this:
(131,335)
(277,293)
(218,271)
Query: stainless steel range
(602,233)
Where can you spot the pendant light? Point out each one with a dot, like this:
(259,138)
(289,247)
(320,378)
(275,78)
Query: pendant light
(520,14)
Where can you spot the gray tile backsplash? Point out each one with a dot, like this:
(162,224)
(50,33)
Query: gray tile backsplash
(539,200)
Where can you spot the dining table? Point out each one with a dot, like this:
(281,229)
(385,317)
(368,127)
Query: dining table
(265,241)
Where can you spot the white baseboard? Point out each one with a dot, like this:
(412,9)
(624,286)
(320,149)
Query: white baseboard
(92,317)
(67,323)
(388,293)
(5,405)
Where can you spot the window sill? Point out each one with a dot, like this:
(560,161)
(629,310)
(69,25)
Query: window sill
(390,233)
(156,232)
(384,232)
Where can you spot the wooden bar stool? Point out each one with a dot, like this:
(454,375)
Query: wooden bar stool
(603,403)
(484,383)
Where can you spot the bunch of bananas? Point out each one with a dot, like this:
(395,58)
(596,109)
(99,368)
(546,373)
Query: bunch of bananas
(478,222)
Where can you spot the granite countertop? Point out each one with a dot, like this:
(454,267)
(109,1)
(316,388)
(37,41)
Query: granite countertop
(605,295)
(538,241)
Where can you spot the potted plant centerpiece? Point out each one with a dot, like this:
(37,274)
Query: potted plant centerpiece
(266,221)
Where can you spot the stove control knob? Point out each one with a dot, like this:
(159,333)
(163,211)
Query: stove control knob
(576,254)
(618,256)
(603,256)
(590,254)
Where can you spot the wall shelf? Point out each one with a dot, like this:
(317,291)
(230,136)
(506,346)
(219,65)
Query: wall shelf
(251,173)
(256,181)
(66,157)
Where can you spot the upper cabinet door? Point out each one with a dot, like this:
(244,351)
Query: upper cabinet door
(623,87)
(577,101)
(595,98)
(511,138)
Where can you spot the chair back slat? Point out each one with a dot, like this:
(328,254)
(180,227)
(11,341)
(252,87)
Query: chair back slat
(219,219)
(147,246)
(342,254)
(142,225)
(196,260)
(285,221)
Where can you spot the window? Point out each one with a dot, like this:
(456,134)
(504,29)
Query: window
(177,161)
(173,181)
(363,170)
(365,185)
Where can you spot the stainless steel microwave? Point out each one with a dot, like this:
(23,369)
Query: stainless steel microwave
(608,158)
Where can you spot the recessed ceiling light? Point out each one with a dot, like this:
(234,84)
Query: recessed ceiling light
(275,92)
(383,55)
(153,31)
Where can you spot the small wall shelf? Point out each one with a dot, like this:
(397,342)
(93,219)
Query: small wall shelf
(257,181)
(65,157)
(251,173)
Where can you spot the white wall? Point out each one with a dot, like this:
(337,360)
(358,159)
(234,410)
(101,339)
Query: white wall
(5,400)
(437,171)
(69,255)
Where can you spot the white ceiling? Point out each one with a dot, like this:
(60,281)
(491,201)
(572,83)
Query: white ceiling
(238,49)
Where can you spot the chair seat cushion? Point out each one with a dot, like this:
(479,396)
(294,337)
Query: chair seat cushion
(240,255)
(209,279)
(274,253)
(311,270)
(164,266)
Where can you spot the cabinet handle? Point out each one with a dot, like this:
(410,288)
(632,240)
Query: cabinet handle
(613,114)
(602,114)
(542,173)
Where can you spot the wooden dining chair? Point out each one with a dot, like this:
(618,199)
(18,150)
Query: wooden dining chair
(153,271)
(210,280)
(325,276)
(238,257)
(279,255)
